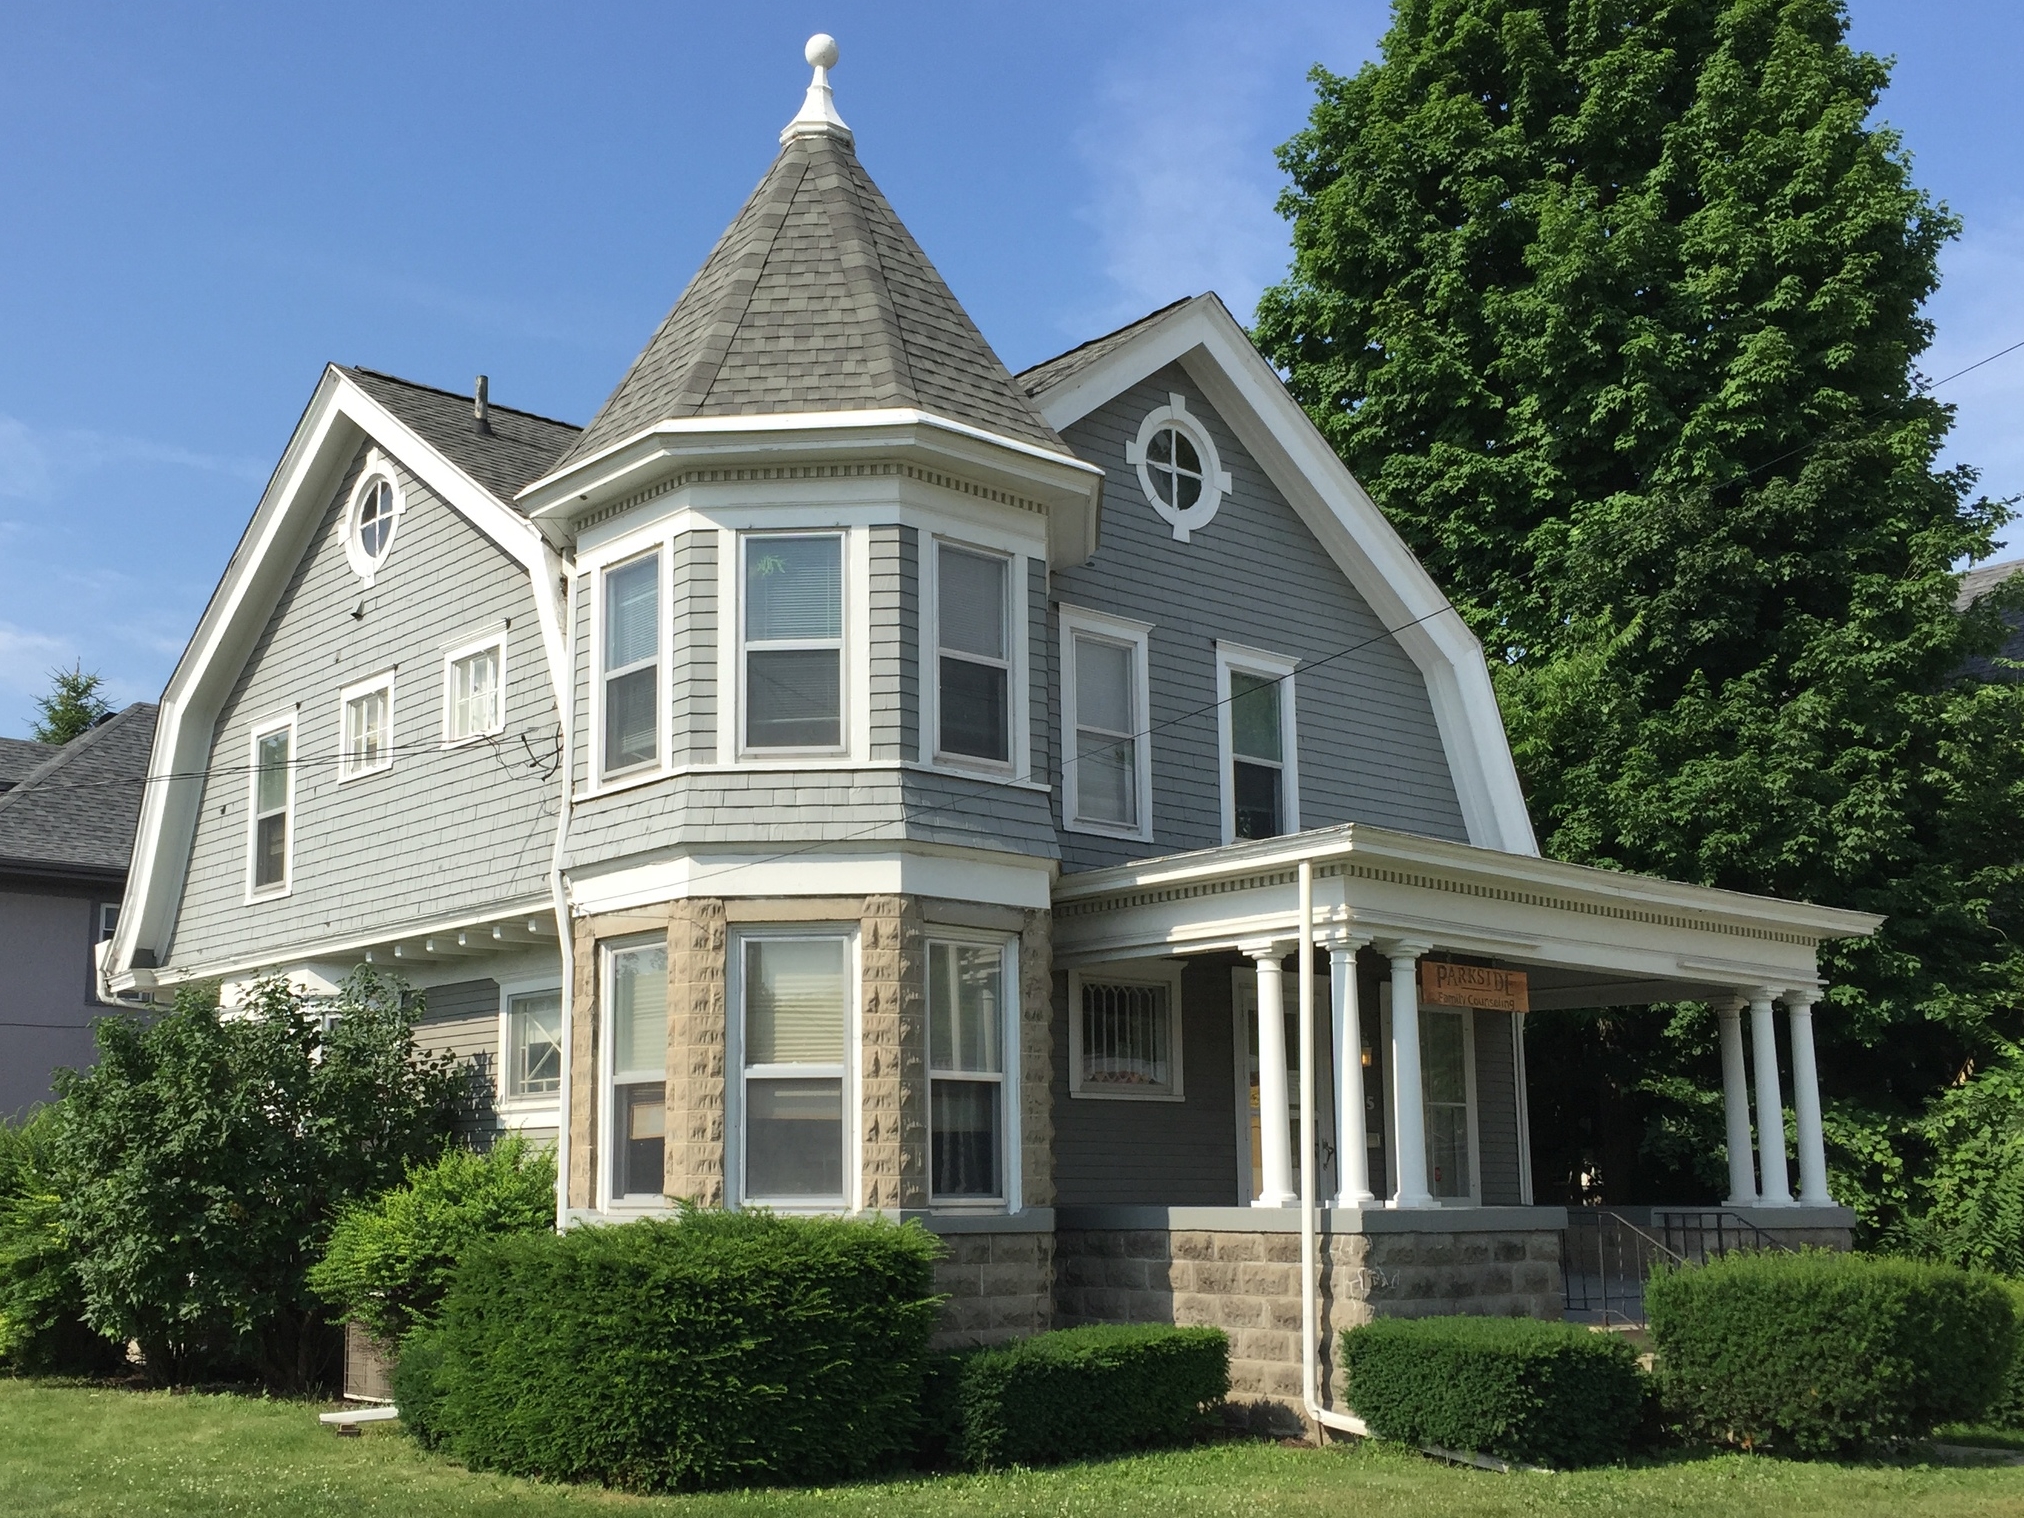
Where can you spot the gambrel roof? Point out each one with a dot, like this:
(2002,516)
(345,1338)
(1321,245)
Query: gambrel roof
(817,298)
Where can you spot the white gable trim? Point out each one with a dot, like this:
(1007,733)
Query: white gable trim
(340,415)
(1205,340)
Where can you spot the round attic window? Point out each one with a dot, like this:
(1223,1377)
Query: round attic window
(1178,470)
(375,514)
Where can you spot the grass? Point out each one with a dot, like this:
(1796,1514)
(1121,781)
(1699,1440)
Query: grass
(82,1452)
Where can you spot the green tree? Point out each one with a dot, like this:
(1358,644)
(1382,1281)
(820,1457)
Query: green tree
(202,1160)
(72,706)
(42,1328)
(1614,306)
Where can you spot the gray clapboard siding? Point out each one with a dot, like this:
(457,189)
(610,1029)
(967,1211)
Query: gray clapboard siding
(694,676)
(888,591)
(581,757)
(1497,1136)
(370,853)
(1040,678)
(1369,748)
(714,808)
(1167,1154)
(463,1021)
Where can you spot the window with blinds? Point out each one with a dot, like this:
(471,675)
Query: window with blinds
(796,1010)
(1126,1043)
(793,628)
(636,1003)
(476,703)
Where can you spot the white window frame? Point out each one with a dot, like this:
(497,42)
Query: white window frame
(377,467)
(606,1152)
(1215,478)
(1391,1106)
(1011,1177)
(495,641)
(1016,743)
(106,929)
(346,770)
(1166,973)
(1074,620)
(600,772)
(846,617)
(526,1111)
(286,885)
(1268,666)
(848,1073)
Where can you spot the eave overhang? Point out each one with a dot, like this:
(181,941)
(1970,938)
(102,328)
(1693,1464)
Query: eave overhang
(1070,490)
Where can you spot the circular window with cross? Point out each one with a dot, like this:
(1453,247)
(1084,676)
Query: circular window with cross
(1178,469)
(375,514)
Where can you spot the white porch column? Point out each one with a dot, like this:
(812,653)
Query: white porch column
(1806,1099)
(1275,1117)
(1771,1167)
(1736,1106)
(1352,1151)
(1408,1096)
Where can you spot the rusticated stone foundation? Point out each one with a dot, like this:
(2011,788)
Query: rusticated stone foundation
(999,1286)
(1247,1282)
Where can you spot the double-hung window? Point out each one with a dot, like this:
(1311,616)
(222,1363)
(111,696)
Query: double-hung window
(273,802)
(796,999)
(793,655)
(973,682)
(632,667)
(967,1026)
(368,728)
(533,1044)
(475,692)
(1106,773)
(1257,729)
(636,1007)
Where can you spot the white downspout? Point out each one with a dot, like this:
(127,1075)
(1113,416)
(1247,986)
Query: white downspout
(1310,1306)
(565,933)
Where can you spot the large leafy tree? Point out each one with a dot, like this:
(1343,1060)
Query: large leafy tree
(1615,306)
(203,1159)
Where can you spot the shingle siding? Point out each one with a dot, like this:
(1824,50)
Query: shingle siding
(373,854)
(1496,1110)
(1369,747)
(890,591)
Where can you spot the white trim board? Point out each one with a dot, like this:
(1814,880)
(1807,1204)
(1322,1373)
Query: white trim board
(1205,340)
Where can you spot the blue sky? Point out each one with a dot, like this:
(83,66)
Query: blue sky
(201,204)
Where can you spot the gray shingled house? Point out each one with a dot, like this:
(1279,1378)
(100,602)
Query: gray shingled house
(66,830)
(845,776)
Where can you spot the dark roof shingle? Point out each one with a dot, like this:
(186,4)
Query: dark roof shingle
(77,811)
(21,757)
(1048,373)
(815,299)
(519,448)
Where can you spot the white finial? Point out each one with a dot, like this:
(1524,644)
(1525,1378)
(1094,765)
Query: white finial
(818,116)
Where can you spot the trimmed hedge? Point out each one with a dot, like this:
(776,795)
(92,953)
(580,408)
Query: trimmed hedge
(1818,1353)
(2006,1408)
(717,1349)
(1524,1390)
(1077,1394)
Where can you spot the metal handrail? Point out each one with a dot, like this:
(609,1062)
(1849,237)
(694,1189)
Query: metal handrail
(1681,1238)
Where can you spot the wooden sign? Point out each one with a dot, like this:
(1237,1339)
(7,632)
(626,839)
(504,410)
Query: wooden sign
(1446,985)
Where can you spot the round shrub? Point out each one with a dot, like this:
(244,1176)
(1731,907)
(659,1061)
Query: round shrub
(1523,1390)
(390,1260)
(1818,1353)
(716,1349)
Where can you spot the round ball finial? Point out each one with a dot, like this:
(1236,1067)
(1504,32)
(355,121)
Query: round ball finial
(821,51)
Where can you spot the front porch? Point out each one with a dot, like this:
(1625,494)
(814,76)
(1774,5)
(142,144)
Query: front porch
(1180,1168)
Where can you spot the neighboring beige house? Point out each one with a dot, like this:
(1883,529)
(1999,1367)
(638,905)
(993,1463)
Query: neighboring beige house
(847,777)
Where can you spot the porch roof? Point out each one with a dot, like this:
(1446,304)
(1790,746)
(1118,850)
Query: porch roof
(1587,937)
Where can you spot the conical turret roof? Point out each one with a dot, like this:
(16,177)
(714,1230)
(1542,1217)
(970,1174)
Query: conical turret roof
(816,299)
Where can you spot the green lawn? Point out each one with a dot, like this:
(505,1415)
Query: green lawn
(81,1452)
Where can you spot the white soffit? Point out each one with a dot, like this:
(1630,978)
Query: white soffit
(1205,340)
(338,417)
